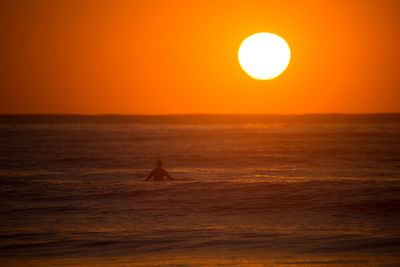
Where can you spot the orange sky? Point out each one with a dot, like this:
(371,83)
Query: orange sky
(163,57)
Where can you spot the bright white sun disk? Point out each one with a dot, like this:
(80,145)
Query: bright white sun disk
(264,55)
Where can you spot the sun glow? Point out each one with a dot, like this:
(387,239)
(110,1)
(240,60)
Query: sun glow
(264,56)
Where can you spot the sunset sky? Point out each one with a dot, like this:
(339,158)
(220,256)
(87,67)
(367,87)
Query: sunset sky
(168,57)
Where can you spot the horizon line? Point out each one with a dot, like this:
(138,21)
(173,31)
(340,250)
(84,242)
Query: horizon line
(196,114)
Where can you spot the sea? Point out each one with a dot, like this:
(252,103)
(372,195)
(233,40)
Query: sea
(248,190)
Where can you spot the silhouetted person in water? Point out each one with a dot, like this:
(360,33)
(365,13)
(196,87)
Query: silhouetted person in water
(159,173)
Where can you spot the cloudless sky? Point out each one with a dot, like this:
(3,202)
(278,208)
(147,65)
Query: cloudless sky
(164,57)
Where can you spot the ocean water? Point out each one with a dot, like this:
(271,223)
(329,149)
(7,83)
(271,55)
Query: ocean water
(248,191)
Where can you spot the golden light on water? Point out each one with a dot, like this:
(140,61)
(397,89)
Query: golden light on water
(264,56)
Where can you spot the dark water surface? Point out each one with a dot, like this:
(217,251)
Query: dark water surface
(250,190)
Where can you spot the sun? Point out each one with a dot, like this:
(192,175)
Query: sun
(264,55)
